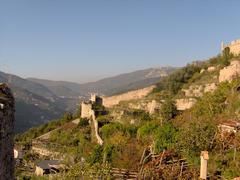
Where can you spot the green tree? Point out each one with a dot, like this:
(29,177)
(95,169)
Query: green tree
(165,137)
(168,110)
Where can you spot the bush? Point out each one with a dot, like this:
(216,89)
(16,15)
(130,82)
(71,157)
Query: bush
(212,103)
(147,129)
(96,155)
(168,110)
(165,137)
(196,137)
(83,123)
(109,129)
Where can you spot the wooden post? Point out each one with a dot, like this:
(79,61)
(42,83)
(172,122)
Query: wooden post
(181,169)
(235,151)
(204,160)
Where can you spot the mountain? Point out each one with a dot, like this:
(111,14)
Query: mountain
(108,86)
(35,104)
(39,101)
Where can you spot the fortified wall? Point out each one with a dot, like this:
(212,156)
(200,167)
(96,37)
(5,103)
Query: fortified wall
(6,133)
(234,47)
(132,95)
(87,107)
(88,110)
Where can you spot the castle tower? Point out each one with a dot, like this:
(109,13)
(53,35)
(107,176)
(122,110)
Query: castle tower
(222,46)
(93,98)
(6,132)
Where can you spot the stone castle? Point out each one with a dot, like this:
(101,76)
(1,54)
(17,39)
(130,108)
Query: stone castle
(89,110)
(87,107)
(234,47)
(7,109)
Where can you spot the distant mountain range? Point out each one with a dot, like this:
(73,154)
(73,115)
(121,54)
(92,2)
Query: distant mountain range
(38,100)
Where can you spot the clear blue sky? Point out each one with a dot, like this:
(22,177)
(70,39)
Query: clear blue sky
(85,40)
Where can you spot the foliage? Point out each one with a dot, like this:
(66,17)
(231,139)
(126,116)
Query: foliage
(38,131)
(147,130)
(226,56)
(174,82)
(213,103)
(83,122)
(110,129)
(165,137)
(196,137)
(168,110)
(96,155)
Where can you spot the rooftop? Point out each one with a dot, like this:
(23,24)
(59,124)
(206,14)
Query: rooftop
(46,164)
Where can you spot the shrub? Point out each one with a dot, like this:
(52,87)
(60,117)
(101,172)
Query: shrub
(83,122)
(168,110)
(147,129)
(165,137)
(96,155)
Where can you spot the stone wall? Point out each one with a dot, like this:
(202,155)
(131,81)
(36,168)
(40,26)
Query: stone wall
(132,95)
(86,110)
(7,108)
(234,47)
(184,104)
(149,106)
(230,72)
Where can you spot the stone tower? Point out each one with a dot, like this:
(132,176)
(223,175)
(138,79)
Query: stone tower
(6,132)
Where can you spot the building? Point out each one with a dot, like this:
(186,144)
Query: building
(7,108)
(48,167)
(234,47)
(230,126)
(96,99)
(88,108)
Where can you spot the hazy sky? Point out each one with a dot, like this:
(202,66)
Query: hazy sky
(85,40)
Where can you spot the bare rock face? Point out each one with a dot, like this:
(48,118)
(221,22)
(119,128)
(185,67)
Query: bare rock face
(211,69)
(6,133)
(184,104)
(194,91)
(210,87)
(230,72)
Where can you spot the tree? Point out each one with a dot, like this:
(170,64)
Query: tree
(165,137)
(168,110)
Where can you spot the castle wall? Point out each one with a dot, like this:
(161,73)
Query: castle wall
(6,133)
(86,110)
(132,95)
(234,47)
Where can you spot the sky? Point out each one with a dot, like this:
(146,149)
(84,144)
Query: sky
(86,40)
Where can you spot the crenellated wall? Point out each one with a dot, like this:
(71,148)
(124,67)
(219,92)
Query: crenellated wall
(234,47)
(7,108)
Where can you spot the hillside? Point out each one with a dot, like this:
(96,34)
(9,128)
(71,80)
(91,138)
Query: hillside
(110,86)
(35,104)
(161,135)
(38,101)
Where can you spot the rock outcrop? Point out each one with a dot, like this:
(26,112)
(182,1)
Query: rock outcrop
(194,91)
(184,104)
(199,90)
(211,69)
(7,108)
(210,87)
(230,72)
(132,95)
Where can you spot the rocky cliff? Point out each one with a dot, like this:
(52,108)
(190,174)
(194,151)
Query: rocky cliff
(6,133)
